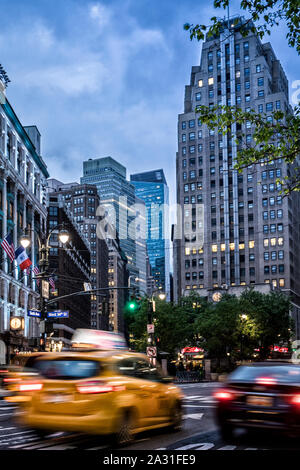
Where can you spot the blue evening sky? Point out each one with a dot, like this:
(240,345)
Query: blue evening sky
(107,78)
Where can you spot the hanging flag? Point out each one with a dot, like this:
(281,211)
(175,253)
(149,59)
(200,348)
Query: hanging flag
(8,246)
(22,258)
(36,271)
(52,283)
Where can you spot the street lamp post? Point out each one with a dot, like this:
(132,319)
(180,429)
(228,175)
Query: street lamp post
(44,248)
(151,310)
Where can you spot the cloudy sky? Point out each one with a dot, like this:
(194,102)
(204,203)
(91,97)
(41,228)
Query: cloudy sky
(106,78)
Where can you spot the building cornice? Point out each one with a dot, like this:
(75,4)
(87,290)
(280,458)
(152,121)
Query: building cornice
(24,137)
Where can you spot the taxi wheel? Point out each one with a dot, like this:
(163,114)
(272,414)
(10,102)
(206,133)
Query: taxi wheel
(125,435)
(176,418)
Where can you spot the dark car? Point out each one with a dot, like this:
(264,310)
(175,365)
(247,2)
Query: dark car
(260,396)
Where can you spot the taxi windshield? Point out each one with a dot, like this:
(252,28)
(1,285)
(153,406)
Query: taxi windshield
(67,369)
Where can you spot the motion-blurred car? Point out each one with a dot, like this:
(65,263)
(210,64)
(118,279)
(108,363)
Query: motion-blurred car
(117,393)
(260,396)
(12,375)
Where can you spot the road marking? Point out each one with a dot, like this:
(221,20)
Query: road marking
(14,433)
(194,416)
(203,446)
(98,448)
(227,448)
(200,398)
(57,447)
(198,406)
(6,414)
(252,448)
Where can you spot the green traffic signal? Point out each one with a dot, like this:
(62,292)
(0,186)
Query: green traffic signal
(132,305)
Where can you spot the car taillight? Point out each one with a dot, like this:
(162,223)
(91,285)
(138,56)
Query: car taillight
(295,400)
(11,380)
(30,387)
(223,395)
(95,386)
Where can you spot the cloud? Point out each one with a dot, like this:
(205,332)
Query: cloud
(101,14)
(70,79)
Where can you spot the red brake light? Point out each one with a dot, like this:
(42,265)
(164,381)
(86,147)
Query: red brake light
(95,386)
(11,380)
(266,381)
(295,400)
(223,395)
(30,387)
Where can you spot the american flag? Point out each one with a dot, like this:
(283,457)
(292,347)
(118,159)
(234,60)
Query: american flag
(36,271)
(52,283)
(8,246)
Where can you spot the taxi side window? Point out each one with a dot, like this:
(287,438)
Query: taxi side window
(127,367)
(145,371)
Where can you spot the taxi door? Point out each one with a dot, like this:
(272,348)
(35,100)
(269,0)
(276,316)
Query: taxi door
(153,386)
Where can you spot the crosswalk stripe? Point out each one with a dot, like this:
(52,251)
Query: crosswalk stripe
(97,448)
(227,448)
(57,447)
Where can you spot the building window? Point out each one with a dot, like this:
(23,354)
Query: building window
(211,81)
(200,83)
(260,81)
(258,68)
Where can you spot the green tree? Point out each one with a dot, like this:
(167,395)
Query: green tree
(271,140)
(174,324)
(270,314)
(270,12)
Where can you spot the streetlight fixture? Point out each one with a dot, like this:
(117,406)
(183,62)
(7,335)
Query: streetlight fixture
(64,236)
(25,241)
(44,248)
(151,310)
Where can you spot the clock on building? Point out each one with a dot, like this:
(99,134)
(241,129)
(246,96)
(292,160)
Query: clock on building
(216,296)
(16,323)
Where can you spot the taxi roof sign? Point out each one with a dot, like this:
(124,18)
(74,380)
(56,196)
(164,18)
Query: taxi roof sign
(98,339)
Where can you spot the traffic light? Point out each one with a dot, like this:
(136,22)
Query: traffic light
(133,305)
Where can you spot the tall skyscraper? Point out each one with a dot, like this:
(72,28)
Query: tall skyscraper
(82,201)
(152,188)
(118,196)
(251,234)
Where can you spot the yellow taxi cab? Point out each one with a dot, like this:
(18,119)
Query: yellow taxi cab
(107,392)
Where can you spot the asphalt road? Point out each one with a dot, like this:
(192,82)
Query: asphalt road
(199,432)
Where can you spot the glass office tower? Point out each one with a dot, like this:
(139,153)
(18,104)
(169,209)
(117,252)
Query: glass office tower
(109,176)
(152,188)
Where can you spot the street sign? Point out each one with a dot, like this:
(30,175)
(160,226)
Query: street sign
(150,328)
(45,289)
(151,351)
(34,313)
(87,286)
(58,314)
